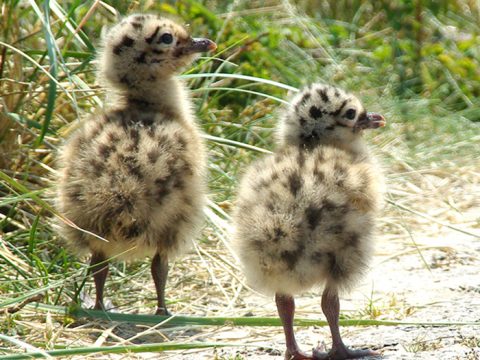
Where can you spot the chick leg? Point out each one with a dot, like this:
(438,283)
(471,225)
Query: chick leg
(331,309)
(159,274)
(99,269)
(286,311)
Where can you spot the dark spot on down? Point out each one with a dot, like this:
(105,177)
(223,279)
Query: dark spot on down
(96,131)
(257,245)
(319,174)
(352,239)
(132,166)
(335,229)
(305,98)
(97,167)
(147,119)
(112,137)
(142,58)
(362,116)
(125,80)
(153,156)
(291,257)
(301,159)
(161,193)
(261,184)
(317,257)
(149,39)
(323,95)
(126,42)
(270,206)
(336,112)
(329,206)
(178,183)
(133,230)
(294,183)
(181,141)
(135,136)
(313,216)
(187,169)
(336,271)
(75,193)
(278,234)
(163,139)
(315,112)
(170,239)
(340,173)
(105,150)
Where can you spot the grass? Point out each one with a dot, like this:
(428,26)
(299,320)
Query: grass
(420,70)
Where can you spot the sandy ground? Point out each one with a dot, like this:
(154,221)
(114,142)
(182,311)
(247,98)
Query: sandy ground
(440,285)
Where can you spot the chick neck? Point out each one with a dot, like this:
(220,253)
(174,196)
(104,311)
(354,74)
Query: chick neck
(165,95)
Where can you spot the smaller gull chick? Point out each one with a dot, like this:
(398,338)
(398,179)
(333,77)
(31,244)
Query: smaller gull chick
(305,215)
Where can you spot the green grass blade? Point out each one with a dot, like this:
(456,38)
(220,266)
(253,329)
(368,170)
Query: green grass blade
(23,345)
(68,53)
(232,321)
(243,91)
(52,86)
(241,77)
(12,200)
(24,190)
(120,349)
(38,66)
(236,144)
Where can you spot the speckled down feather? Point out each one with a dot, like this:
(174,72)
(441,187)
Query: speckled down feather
(135,173)
(305,215)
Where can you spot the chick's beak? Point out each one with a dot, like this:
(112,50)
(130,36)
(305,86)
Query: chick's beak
(197,45)
(371,121)
(375,120)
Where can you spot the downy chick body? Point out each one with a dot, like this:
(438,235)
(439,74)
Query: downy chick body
(134,174)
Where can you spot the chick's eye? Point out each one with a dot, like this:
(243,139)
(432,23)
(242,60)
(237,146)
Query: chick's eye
(166,38)
(350,114)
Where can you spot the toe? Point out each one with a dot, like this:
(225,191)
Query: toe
(342,354)
(163,312)
(298,355)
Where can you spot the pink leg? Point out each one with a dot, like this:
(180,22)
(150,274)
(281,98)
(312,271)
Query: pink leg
(159,274)
(99,268)
(286,311)
(331,309)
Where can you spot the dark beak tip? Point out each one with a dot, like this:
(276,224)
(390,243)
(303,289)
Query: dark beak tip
(202,45)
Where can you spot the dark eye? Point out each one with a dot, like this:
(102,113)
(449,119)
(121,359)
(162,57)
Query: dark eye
(350,114)
(166,38)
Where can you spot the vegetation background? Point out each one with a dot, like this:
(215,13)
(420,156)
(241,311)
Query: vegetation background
(415,61)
